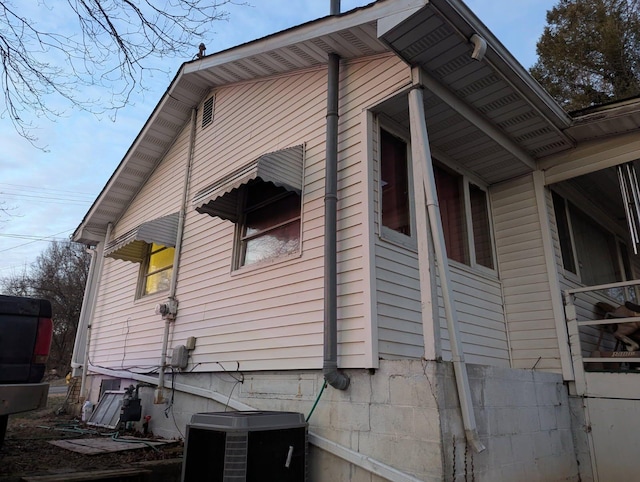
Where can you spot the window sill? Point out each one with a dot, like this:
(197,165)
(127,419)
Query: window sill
(486,273)
(151,297)
(398,239)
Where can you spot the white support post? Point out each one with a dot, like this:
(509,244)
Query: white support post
(574,343)
(427,186)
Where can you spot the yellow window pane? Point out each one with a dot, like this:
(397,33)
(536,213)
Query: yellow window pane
(161,259)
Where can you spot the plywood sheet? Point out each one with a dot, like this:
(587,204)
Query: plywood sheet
(95,446)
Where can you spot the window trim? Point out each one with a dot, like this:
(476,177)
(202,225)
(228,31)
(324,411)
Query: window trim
(565,208)
(239,238)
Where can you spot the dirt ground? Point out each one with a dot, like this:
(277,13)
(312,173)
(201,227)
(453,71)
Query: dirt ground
(27,450)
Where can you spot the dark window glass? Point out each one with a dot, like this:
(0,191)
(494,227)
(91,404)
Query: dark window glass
(450,199)
(481,227)
(564,237)
(596,250)
(394,183)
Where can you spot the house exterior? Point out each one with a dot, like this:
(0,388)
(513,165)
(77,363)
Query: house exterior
(386,200)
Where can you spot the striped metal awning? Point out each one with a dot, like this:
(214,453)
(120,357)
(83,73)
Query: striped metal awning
(282,168)
(132,245)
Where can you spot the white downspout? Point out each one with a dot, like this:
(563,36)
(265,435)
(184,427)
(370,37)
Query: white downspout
(423,167)
(83,320)
(92,308)
(168,319)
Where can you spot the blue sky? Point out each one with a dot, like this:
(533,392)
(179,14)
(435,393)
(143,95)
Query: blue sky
(48,192)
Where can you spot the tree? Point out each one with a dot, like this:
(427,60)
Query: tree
(59,275)
(106,49)
(589,53)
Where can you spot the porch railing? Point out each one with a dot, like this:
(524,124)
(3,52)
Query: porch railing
(613,359)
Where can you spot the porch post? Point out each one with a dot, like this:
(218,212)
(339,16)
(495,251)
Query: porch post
(426,189)
(92,310)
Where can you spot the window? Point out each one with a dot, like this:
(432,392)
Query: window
(464,206)
(270,223)
(157,269)
(564,234)
(464,210)
(587,248)
(595,249)
(394,183)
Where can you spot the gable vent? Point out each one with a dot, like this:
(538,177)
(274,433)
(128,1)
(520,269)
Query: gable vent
(207,112)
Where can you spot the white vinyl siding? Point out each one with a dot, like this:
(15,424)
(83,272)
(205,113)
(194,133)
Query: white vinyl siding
(126,332)
(266,317)
(522,265)
(478,302)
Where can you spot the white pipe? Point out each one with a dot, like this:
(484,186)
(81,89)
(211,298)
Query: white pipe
(356,458)
(159,396)
(422,155)
(92,309)
(83,320)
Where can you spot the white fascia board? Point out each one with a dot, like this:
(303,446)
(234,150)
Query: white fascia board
(308,31)
(389,22)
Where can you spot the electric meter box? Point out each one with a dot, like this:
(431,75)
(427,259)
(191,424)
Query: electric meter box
(246,446)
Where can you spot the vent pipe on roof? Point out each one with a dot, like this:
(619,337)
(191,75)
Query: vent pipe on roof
(330,366)
(335,7)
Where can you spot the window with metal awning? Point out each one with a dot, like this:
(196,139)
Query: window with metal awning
(134,244)
(282,168)
(263,198)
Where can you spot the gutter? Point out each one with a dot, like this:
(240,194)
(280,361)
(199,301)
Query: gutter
(170,316)
(330,365)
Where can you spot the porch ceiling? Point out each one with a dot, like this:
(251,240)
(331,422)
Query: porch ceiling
(497,88)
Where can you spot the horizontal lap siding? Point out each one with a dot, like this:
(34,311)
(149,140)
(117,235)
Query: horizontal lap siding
(523,271)
(267,317)
(478,302)
(126,333)
(398,302)
(271,317)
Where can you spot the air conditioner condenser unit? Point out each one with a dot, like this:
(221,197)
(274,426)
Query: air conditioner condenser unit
(246,447)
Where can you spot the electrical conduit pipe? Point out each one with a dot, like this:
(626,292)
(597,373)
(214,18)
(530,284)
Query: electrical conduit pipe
(168,319)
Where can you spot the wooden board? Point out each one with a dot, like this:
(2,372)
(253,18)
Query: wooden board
(95,446)
(98,475)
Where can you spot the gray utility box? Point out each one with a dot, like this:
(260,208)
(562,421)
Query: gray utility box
(245,447)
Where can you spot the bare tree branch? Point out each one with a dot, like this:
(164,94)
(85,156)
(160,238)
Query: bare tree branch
(103,59)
